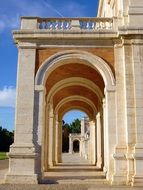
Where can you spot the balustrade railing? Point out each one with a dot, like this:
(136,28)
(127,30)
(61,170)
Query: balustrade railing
(75,23)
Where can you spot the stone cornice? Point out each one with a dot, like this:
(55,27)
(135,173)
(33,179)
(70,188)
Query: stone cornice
(72,34)
(43,39)
(129,31)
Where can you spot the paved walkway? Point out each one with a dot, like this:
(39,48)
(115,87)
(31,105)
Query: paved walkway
(73,167)
(64,187)
(74,170)
(3,169)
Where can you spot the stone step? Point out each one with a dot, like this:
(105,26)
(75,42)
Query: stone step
(85,181)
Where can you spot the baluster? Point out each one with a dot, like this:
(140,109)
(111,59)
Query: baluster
(50,25)
(62,24)
(103,25)
(56,24)
(108,25)
(92,25)
(69,24)
(99,25)
(46,25)
(66,25)
(87,25)
(40,25)
(111,25)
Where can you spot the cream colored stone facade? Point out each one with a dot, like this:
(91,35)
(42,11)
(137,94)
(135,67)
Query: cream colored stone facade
(110,94)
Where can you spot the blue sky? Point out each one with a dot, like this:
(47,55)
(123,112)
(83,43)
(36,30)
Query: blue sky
(10,13)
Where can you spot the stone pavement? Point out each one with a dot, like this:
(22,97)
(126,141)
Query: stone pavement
(3,169)
(64,187)
(74,170)
(66,175)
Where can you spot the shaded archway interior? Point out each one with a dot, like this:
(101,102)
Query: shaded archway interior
(70,70)
(73,86)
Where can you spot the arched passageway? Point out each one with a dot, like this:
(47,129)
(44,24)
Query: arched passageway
(83,82)
(74,80)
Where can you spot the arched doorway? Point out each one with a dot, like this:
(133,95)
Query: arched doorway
(88,90)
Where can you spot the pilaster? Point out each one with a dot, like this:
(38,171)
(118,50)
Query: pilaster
(50,135)
(120,173)
(22,153)
(110,131)
(92,143)
(98,136)
(137,49)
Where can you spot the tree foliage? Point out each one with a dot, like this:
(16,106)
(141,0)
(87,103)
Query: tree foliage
(74,127)
(6,139)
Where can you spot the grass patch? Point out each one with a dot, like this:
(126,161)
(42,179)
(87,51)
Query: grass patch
(3,156)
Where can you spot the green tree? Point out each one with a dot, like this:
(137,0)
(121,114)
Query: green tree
(75,126)
(6,139)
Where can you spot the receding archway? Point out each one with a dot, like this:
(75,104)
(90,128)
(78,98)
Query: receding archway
(88,90)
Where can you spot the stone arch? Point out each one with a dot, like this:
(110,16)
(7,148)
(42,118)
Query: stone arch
(65,100)
(75,80)
(93,62)
(76,108)
(83,57)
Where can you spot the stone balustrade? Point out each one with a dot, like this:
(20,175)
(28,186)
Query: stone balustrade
(75,23)
(66,24)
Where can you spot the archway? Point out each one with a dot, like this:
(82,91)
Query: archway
(71,89)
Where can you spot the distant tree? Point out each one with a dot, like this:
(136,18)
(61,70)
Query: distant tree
(75,126)
(6,139)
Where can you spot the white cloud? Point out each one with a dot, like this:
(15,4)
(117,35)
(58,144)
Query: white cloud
(7,97)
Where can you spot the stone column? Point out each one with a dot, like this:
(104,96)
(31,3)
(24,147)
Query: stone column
(39,128)
(46,139)
(60,137)
(92,141)
(110,131)
(56,140)
(22,153)
(121,141)
(137,49)
(98,125)
(70,144)
(125,114)
(105,137)
(51,135)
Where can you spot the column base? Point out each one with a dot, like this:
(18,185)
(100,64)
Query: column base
(138,159)
(22,161)
(21,179)
(120,175)
(51,164)
(99,162)
(137,181)
(119,180)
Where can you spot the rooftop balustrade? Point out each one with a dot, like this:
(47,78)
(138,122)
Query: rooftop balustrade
(67,24)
